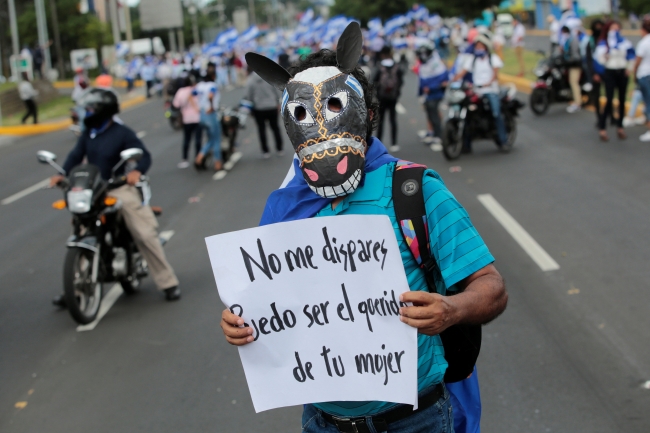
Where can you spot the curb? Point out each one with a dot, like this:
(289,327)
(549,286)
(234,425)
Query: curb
(44,128)
(69,84)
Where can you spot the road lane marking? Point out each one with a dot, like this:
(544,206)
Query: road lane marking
(166,235)
(141,134)
(27,191)
(107,302)
(520,235)
(234,158)
(220,175)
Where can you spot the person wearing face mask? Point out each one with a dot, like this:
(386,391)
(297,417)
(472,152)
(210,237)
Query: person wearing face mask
(335,151)
(613,61)
(591,42)
(484,67)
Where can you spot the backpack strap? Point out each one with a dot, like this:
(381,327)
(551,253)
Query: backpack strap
(411,215)
(462,343)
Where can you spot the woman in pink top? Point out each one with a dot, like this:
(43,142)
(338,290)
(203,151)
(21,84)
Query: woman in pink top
(187,101)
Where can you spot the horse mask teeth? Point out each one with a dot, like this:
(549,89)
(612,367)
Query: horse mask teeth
(325,116)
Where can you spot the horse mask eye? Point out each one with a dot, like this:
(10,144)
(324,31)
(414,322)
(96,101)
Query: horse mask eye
(325,115)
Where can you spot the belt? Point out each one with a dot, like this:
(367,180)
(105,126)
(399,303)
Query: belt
(381,421)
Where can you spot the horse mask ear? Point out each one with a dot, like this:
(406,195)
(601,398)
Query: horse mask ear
(270,71)
(348,49)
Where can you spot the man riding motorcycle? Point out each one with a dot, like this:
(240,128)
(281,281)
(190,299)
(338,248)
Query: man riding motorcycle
(101,143)
(484,67)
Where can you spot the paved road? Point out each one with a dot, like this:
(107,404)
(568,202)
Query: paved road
(571,352)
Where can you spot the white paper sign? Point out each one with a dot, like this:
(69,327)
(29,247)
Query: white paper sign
(322,297)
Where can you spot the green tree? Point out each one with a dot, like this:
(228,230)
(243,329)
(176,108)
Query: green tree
(637,6)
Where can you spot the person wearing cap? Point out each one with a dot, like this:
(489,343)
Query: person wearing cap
(484,67)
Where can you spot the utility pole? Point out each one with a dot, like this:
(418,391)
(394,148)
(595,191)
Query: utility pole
(115,23)
(172,41)
(181,40)
(57,38)
(251,11)
(222,14)
(43,37)
(195,26)
(127,23)
(13,23)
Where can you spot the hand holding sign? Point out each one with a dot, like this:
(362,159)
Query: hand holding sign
(319,301)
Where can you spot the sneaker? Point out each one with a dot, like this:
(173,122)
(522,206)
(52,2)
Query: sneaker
(627,122)
(280,153)
(266,155)
(423,133)
(572,108)
(183,164)
(641,120)
(394,148)
(645,137)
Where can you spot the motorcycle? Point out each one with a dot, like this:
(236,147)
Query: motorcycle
(174,116)
(470,116)
(552,84)
(100,249)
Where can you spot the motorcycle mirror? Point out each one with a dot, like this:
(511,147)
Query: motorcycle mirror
(45,157)
(133,154)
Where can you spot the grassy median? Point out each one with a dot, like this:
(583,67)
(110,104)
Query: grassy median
(57,108)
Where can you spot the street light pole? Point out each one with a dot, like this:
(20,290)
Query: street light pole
(222,14)
(251,11)
(57,39)
(115,23)
(13,23)
(129,29)
(43,37)
(195,26)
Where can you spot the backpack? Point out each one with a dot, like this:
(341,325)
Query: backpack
(462,343)
(388,83)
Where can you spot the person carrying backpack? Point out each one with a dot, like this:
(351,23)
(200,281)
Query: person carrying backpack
(441,251)
(388,80)
(573,62)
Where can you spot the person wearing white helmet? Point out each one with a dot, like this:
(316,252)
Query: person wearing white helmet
(484,67)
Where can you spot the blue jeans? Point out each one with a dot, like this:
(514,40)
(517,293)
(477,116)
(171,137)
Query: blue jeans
(212,126)
(644,86)
(437,418)
(495,105)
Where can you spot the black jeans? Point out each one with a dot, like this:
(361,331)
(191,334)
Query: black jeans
(149,87)
(433,114)
(31,111)
(188,130)
(615,80)
(388,105)
(271,116)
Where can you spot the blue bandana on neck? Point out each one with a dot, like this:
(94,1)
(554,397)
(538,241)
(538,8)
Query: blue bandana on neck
(297,201)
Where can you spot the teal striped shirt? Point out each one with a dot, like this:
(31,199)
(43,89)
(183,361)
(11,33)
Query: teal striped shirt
(455,243)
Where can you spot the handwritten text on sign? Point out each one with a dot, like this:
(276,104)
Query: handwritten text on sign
(322,297)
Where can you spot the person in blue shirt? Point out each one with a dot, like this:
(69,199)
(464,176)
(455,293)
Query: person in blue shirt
(357,179)
(148,75)
(433,79)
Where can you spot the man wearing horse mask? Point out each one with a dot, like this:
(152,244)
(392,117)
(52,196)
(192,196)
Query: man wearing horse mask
(329,110)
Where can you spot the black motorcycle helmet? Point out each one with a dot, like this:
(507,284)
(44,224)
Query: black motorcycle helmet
(100,106)
(425,51)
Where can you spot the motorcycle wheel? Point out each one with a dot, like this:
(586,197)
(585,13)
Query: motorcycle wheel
(511,130)
(138,270)
(451,140)
(176,123)
(83,298)
(539,101)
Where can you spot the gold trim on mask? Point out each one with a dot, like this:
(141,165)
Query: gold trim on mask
(344,134)
(330,152)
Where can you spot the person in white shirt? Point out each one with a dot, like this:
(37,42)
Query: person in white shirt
(642,71)
(517,40)
(554,32)
(484,67)
(27,93)
(209,98)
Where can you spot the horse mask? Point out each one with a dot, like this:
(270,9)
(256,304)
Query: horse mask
(325,116)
